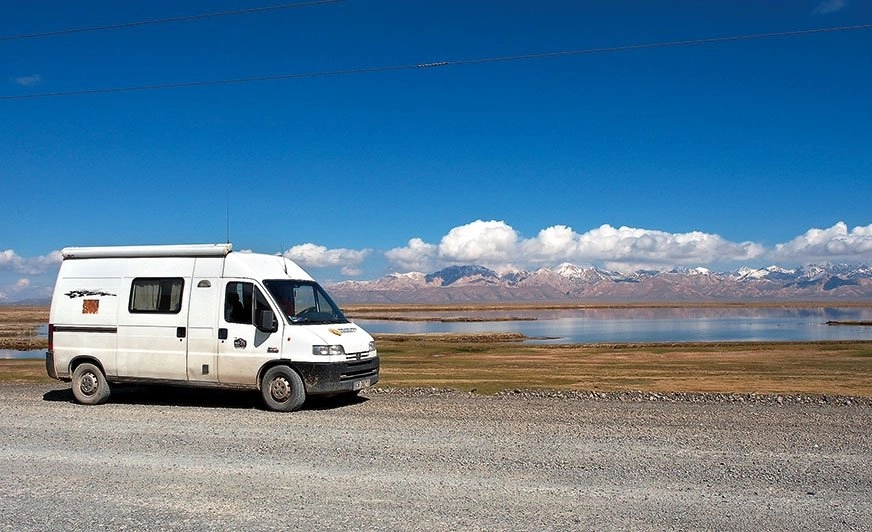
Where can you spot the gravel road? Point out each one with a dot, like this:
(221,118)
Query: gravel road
(166,459)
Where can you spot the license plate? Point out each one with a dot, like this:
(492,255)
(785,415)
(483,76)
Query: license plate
(361,384)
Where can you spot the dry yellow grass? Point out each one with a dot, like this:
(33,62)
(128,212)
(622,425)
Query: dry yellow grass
(18,327)
(837,368)
(31,315)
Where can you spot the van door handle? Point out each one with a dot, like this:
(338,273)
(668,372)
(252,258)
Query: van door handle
(222,333)
(181,332)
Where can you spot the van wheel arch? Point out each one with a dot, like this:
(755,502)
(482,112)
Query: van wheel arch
(85,359)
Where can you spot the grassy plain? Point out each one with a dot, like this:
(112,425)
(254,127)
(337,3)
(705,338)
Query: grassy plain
(487,366)
(487,363)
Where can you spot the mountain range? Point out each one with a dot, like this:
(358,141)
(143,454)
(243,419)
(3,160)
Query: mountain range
(474,283)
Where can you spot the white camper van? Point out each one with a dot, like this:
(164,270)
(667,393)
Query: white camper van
(201,315)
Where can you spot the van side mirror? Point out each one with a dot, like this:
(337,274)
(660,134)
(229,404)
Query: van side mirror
(266,321)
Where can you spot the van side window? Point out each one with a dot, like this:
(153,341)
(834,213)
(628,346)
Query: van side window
(157,295)
(260,302)
(238,303)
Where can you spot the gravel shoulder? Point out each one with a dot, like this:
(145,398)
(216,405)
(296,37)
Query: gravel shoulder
(158,459)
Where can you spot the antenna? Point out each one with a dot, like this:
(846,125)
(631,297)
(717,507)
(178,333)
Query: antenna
(284,261)
(227,211)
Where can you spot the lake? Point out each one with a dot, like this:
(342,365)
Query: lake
(632,325)
(739,324)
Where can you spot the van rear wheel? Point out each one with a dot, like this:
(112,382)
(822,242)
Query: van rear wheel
(89,385)
(282,389)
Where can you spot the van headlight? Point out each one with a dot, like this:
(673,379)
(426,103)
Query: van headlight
(328,350)
(371,347)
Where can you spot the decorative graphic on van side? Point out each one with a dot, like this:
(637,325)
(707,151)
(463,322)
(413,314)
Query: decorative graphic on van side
(82,293)
(239,343)
(90,306)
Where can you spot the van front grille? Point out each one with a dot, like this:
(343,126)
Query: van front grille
(357,356)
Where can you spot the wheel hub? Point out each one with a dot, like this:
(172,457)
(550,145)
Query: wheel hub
(88,384)
(280,389)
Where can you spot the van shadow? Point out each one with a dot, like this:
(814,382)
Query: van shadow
(161,395)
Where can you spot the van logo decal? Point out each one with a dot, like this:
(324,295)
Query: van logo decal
(239,343)
(72,294)
(344,330)
(90,306)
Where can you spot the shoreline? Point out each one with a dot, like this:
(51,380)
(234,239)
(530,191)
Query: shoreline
(485,306)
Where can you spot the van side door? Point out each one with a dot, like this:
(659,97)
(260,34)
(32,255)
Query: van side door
(203,329)
(203,312)
(152,330)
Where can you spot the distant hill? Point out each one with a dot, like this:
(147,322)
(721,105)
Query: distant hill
(570,282)
(42,302)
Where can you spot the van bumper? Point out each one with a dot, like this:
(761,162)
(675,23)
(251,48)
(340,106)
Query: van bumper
(338,377)
(49,365)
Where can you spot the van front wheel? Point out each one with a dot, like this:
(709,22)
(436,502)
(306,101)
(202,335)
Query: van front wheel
(89,385)
(282,389)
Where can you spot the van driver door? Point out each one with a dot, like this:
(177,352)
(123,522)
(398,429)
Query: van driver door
(242,347)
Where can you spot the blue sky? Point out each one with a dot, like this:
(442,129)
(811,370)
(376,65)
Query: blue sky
(748,152)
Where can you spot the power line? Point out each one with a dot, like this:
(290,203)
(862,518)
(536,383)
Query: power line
(437,64)
(133,24)
(629,47)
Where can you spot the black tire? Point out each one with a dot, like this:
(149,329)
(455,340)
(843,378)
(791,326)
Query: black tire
(89,385)
(282,389)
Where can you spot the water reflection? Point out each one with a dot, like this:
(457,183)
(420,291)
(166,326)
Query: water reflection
(9,353)
(625,324)
(604,325)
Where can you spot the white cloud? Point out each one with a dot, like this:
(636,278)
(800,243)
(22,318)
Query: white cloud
(486,243)
(47,262)
(28,81)
(314,256)
(551,244)
(648,246)
(833,243)
(496,244)
(830,6)
(27,288)
(10,261)
(351,271)
(416,256)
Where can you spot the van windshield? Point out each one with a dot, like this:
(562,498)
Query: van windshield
(304,302)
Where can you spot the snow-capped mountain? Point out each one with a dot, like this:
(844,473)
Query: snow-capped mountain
(572,282)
